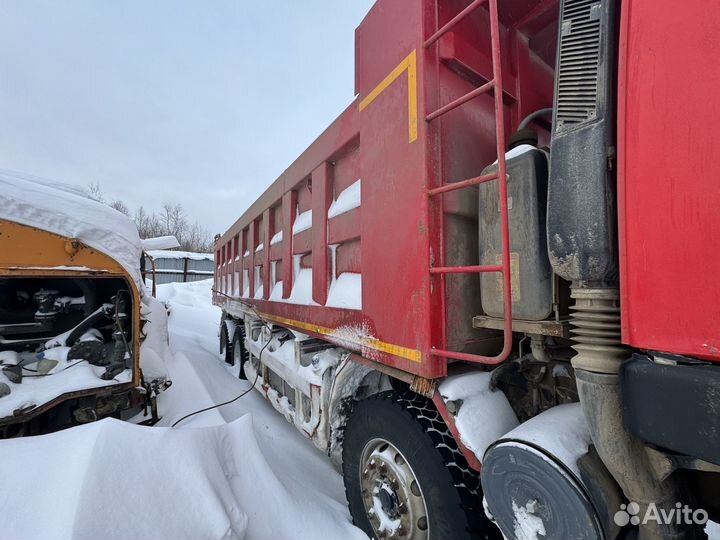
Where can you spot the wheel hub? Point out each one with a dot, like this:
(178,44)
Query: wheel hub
(391,494)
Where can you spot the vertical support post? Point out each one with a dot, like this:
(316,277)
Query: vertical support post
(233,252)
(321,199)
(252,232)
(243,248)
(269,222)
(217,268)
(223,270)
(185,264)
(289,210)
(237,266)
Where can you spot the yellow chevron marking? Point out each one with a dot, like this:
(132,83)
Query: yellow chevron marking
(409,64)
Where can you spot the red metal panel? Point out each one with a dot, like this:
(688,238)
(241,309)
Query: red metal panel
(349,257)
(302,242)
(344,227)
(668,170)
(276,253)
(394,229)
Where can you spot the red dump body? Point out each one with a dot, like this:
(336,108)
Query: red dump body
(390,242)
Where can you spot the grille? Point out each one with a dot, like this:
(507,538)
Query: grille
(577,92)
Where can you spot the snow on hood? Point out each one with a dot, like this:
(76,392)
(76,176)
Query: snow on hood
(65,211)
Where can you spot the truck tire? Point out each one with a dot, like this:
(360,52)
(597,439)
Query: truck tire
(236,351)
(404,475)
(224,340)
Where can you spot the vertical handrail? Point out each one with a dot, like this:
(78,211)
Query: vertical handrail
(502,179)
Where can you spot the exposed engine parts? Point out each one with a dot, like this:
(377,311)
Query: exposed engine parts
(48,326)
(537,380)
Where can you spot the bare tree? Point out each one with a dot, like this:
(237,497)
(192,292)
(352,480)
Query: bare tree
(94,192)
(120,206)
(171,220)
(198,239)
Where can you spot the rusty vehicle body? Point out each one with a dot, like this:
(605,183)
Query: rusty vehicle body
(60,295)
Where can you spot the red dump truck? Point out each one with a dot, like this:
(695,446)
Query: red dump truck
(487,291)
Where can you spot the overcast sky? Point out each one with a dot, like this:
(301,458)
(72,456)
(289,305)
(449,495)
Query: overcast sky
(203,102)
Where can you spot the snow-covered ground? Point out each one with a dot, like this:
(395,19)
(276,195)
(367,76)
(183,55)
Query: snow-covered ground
(240,471)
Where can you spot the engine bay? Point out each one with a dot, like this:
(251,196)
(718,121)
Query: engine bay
(61,336)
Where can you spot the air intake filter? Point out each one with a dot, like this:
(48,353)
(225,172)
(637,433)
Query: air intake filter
(581,195)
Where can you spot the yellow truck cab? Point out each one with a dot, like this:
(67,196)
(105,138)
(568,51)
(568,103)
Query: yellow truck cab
(71,295)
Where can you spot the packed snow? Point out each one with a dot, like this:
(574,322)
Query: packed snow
(277,238)
(484,415)
(155,350)
(160,243)
(348,199)
(173,254)
(302,288)
(240,471)
(277,291)
(562,431)
(518,151)
(302,222)
(65,211)
(528,526)
(66,376)
(346,291)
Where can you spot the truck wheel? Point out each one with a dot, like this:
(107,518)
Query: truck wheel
(224,340)
(237,352)
(404,475)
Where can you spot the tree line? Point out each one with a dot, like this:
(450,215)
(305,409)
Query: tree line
(171,219)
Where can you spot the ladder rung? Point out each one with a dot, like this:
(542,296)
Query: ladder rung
(450,25)
(466,269)
(467,357)
(461,185)
(461,100)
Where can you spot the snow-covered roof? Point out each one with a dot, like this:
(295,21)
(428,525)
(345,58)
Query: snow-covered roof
(66,211)
(160,242)
(167,254)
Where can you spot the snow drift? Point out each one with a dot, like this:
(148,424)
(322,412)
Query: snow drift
(115,480)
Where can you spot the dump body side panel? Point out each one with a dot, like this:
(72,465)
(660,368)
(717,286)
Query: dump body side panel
(361,277)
